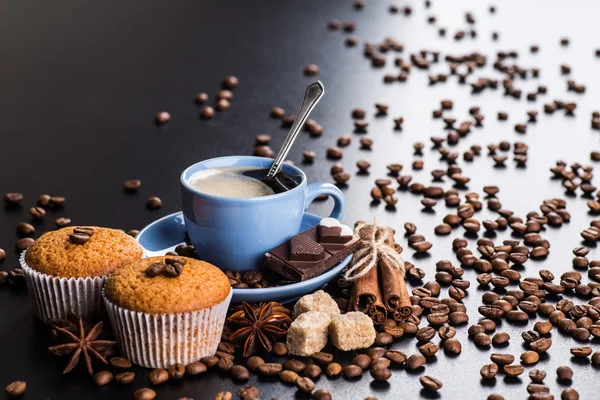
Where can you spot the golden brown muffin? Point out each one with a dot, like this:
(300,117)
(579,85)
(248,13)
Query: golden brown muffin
(200,285)
(106,251)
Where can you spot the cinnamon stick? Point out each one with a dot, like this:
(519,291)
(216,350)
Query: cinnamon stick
(390,285)
(364,292)
(405,307)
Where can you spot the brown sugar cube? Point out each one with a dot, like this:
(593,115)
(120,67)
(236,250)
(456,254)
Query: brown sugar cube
(308,334)
(351,331)
(318,301)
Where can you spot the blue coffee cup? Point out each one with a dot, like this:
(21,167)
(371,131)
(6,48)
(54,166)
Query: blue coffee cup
(235,233)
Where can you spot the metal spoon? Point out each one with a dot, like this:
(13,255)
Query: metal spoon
(313,94)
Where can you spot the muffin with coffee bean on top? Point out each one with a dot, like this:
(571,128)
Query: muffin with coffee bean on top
(167,310)
(66,269)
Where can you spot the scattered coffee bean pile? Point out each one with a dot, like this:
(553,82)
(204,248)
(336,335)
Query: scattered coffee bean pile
(512,296)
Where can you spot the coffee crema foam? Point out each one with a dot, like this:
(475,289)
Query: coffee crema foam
(229,182)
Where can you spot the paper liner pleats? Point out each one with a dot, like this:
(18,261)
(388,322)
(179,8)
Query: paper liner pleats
(161,340)
(54,297)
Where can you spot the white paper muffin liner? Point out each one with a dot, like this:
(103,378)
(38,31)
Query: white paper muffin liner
(161,340)
(54,297)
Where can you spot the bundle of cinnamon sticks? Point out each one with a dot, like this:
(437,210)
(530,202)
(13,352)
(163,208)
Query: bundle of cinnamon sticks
(381,293)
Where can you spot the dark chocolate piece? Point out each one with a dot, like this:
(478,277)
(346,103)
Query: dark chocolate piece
(331,238)
(281,259)
(303,248)
(332,234)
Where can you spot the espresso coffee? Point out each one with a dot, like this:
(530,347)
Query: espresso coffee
(236,182)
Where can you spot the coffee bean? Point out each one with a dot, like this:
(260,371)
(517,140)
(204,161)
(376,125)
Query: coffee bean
(569,394)
(322,358)
(422,247)
(23,244)
(517,316)
(536,388)
(16,388)
(207,112)
(225,364)
(502,358)
(410,228)
(291,365)
(125,378)
(280,349)
(173,270)
(489,371)
(491,311)
(144,394)
(564,373)
(333,369)
(530,357)
(102,378)
(269,369)
(541,345)
(381,373)
(312,371)
(289,377)
(500,338)
(581,351)
(452,346)
(120,363)
(322,394)
(153,203)
(230,82)
(305,384)
(429,349)
(446,332)
(25,229)
(62,222)
(443,229)
(334,153)
(383,339)
(537,375)
(581,334)
(176,371)
(311,70)
(155,269)
(352,371)
(390,200)
(201,98)
(246,392)
(13,199)
(513,370)
(132,185)
(482,339)
(158,376)
(239,372)
(430,383)
(162,117)
(425,334)
(415,361)
(44,200)
(37,212)
(2,254)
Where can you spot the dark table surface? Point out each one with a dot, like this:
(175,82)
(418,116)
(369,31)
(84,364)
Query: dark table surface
(80,83)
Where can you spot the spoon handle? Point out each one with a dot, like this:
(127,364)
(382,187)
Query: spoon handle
(313,94)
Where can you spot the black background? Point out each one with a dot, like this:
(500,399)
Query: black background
(80,83)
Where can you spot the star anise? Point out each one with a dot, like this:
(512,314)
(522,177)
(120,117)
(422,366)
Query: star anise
(82,342)
(258,325)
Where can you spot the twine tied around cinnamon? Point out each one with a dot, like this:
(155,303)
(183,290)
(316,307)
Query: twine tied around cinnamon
(373,248)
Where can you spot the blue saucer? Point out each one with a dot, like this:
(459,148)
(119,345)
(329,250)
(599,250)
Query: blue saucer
(165,234)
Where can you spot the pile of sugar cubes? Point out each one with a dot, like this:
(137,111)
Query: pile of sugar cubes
(317,319)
